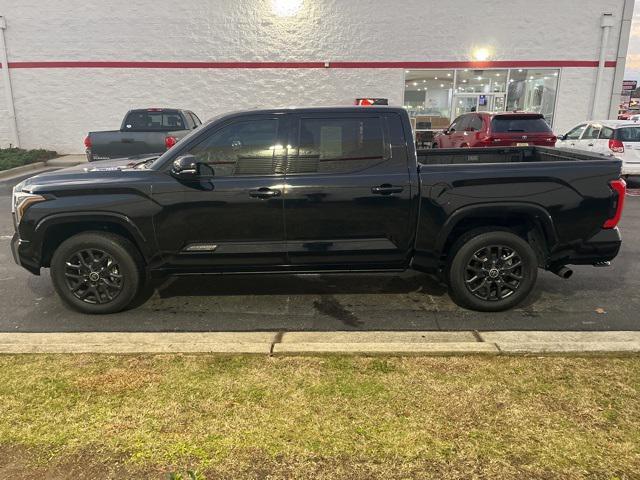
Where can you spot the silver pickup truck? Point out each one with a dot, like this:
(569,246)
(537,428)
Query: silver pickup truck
(143,131)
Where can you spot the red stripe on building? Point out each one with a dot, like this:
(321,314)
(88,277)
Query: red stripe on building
(295,65)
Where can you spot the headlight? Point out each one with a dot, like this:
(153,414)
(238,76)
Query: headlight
(22,200)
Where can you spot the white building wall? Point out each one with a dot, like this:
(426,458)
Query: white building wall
(5,130)
(55,107)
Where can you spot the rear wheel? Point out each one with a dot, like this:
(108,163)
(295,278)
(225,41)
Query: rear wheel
(492,271)
(96,272)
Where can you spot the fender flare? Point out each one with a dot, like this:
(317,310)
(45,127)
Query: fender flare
(94,217)
(499,209)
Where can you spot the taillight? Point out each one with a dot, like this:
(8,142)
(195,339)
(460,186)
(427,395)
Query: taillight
(87,142)
(619,188)
(170,141)
(616,146)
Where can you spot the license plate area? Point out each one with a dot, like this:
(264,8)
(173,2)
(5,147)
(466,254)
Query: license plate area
(522,144)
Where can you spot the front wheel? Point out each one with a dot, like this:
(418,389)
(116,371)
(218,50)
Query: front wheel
(492,271)
(96,272)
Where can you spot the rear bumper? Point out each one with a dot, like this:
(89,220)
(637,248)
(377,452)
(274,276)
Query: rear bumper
(601,247)
(23,254)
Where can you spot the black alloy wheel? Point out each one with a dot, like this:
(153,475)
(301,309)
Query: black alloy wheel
(97,272)
(93,276)
(494,273)
(492,270)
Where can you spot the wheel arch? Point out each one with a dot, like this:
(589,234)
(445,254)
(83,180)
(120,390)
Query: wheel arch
(53,230)
(531,222)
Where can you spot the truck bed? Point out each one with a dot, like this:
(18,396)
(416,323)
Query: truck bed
(565,192)
(456,156)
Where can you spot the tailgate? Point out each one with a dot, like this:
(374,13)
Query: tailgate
(114,144)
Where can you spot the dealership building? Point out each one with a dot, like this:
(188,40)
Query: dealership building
(79,66)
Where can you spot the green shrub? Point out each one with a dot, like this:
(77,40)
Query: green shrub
(15,157)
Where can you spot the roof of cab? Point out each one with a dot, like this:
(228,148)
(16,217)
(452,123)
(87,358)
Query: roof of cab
(285,110)
(350,108)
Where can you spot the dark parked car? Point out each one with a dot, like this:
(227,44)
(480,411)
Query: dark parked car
(143,131)
(486,129)
(319,190)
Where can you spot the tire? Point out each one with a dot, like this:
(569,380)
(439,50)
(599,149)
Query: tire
(492,271)
(97,272)
(435,145)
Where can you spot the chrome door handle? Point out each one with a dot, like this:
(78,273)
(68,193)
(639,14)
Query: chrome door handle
(263,192)
(386,189)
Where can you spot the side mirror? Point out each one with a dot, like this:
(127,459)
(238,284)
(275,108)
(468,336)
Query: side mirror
(186,166)
(562,137)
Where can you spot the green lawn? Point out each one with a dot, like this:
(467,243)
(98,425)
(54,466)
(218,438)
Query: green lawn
(15,157)
(356,418)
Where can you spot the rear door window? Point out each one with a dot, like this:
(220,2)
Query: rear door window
(519,124)
(628,134)
(592,132)
(338,145)
(606,133)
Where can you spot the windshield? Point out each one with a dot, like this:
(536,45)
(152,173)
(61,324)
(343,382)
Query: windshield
(152,121)
(158,162)
(628,134)
(516,124)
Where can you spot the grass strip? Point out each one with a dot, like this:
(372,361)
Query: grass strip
(144,416)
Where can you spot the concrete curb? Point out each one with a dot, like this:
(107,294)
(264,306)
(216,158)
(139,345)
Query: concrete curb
(15,171)
(314,343)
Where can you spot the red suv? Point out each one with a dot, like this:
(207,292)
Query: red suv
(487,129)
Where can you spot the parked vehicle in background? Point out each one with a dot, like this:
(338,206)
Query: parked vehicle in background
(504,129)
(619,138)
(319,190)
(143,131)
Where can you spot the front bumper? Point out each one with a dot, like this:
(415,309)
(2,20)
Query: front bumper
(23,254)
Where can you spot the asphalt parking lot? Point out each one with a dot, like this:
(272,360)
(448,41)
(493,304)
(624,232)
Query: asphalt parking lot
(593,299)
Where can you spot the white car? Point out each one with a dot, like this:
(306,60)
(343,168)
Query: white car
(619,138)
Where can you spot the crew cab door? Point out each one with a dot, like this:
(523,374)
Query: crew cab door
(230,217)
(590,137)
(348,201)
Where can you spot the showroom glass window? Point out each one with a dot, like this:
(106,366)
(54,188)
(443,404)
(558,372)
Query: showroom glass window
(338,145)
(427,97)
(241,148)
(533,90)
(433,97)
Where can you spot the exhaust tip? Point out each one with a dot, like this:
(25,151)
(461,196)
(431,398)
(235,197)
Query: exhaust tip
(564,272)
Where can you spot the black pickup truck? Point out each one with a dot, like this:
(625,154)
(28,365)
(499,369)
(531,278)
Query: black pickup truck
(143,131)
(319,190)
